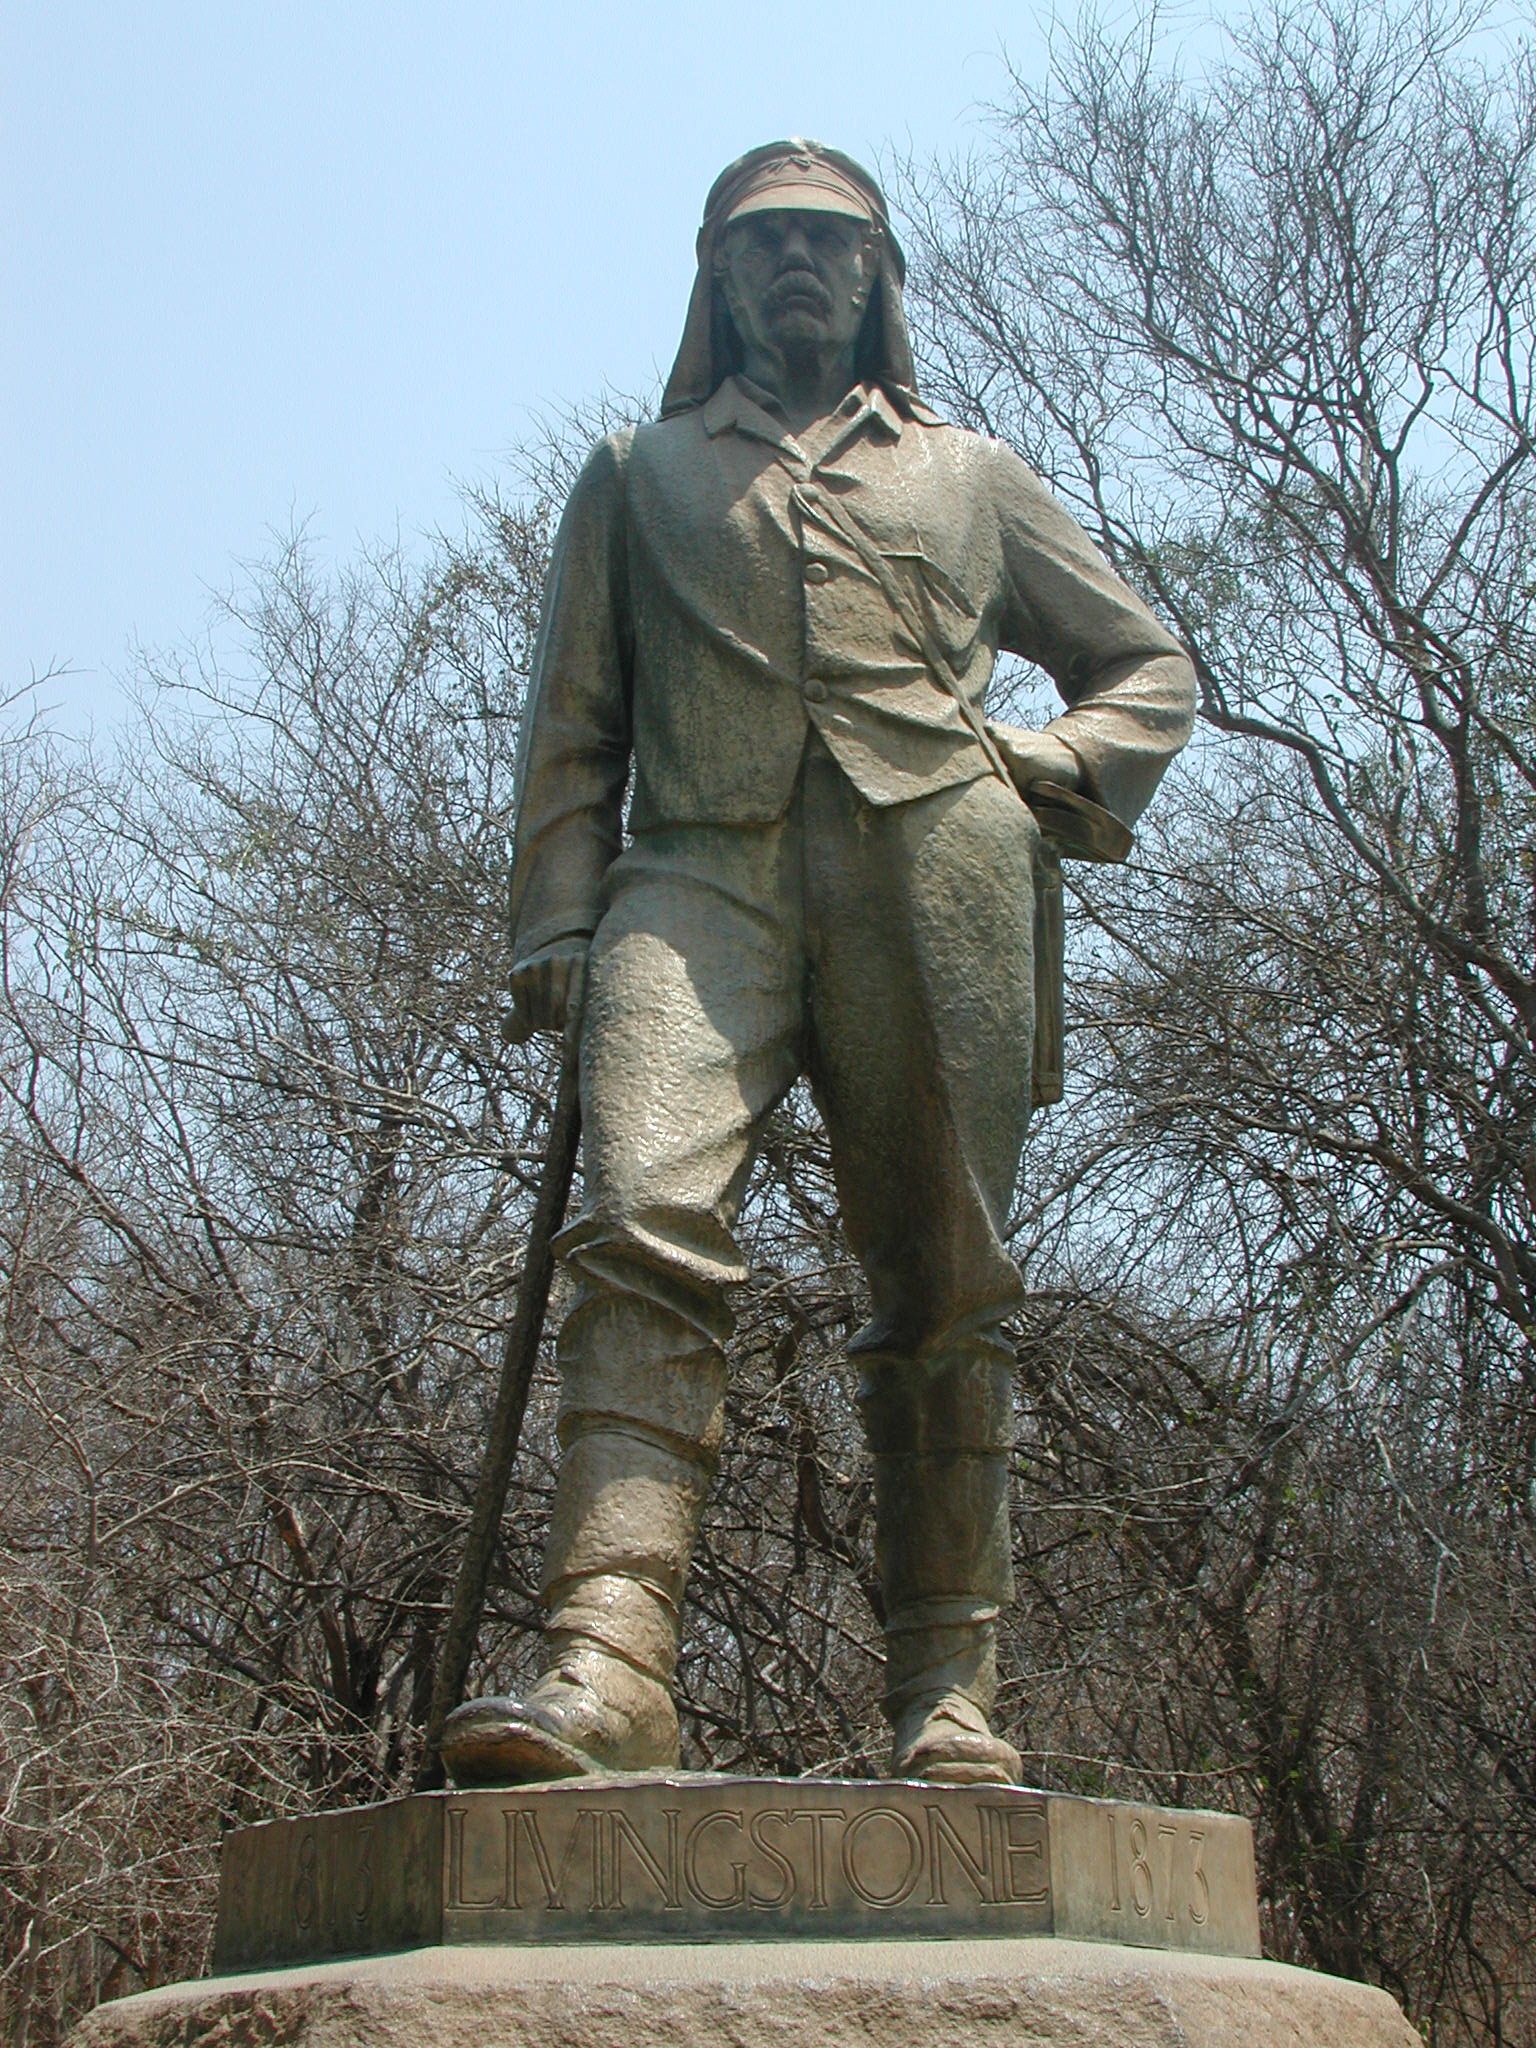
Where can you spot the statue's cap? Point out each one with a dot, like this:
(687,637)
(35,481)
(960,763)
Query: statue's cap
(793,174)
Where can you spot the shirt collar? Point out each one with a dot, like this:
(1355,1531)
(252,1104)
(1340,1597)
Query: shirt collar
(740,404)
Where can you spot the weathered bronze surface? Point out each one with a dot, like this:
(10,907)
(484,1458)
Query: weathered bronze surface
(731,1859)
(765,828)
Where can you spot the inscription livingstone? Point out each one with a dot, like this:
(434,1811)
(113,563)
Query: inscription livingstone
(713,1859)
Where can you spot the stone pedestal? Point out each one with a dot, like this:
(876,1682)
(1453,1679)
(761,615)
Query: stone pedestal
(701,1858)
(1040,1993)
(619,1913)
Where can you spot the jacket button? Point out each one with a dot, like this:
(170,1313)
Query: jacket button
(816,572)
(816,691)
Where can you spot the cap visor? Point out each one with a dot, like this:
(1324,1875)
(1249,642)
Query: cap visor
(796,195)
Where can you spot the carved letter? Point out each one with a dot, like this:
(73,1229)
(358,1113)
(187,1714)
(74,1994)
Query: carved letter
(817,1816)
(524,1822)
(363,1895)
(977,1868)
(306,1885)
(622,1832)
(787,1869)
(1199,1900)
(456,1893)
(1141,1869)
(1170,1835)
(908,1878)
(737,1895)
(1012,1853)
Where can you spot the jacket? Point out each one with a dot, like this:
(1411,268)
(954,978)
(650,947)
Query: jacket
(702,613)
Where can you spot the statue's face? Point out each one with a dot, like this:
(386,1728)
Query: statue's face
(797,281)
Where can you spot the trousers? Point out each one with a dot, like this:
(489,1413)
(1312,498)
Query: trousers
(886,953)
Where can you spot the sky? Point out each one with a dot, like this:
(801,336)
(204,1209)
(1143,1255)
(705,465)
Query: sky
(267,265)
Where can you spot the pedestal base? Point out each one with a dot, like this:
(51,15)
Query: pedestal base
(723,1859)
(1040,1993)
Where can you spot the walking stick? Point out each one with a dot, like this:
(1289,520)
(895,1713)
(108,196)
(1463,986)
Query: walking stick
(518,1357)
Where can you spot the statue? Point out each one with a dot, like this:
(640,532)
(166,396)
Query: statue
(776,611)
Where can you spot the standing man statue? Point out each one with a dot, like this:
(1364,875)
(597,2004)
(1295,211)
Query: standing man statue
(774,612)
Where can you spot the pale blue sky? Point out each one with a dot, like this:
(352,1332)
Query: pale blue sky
(275,263)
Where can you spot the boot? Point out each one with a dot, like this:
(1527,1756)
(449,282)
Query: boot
(940,1432)
(642,1412)
(626,1513)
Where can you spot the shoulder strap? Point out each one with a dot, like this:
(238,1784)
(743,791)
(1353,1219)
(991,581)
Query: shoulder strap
(823,505)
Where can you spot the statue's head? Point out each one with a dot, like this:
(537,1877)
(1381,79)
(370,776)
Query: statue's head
(795,279)
(795,250)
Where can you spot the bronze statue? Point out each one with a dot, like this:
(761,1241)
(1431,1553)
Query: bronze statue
(775,612)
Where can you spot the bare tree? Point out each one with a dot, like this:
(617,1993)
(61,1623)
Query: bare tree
(1271,331)
(267,1167)
(266,1159)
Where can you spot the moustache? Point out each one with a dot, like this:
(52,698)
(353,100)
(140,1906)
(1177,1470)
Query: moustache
(798,284)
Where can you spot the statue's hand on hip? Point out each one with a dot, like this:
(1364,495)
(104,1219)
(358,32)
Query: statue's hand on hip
(547,991)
